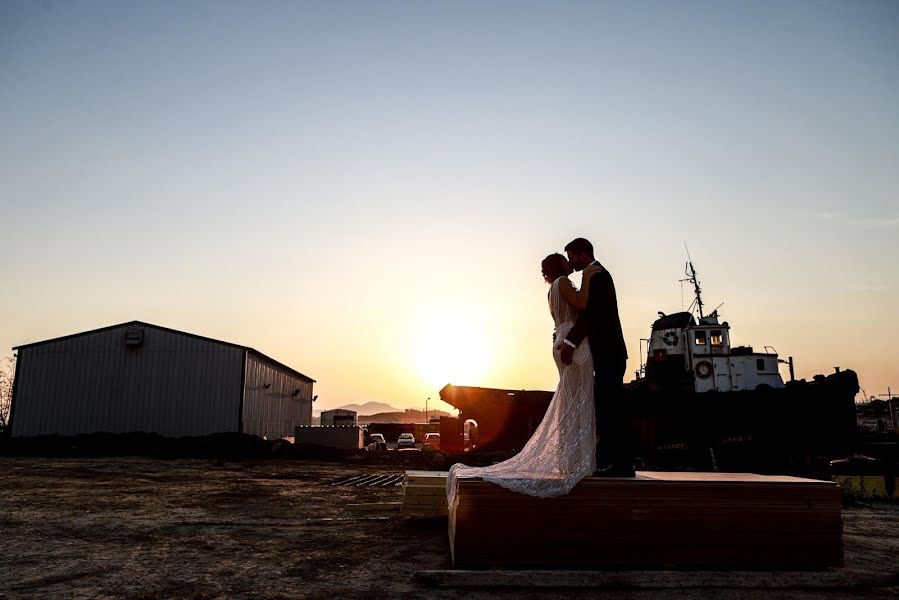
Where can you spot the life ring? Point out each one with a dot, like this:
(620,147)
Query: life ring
(703,369)
(670,338)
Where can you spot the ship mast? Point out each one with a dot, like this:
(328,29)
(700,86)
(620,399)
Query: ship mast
(691,277)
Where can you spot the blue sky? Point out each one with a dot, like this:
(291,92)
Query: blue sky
(321,180)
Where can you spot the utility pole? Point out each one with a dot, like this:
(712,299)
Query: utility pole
(890,406)
(426,409)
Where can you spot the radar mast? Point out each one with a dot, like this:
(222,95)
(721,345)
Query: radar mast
(692,278)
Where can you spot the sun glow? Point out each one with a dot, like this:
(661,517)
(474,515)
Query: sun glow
(450,347)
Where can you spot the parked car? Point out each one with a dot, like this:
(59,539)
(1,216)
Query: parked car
(378,441)
(406,440)
(432,440)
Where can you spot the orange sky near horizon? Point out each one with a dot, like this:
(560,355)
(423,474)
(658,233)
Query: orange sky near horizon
(398,337)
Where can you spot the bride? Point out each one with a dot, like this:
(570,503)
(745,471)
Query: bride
(561,451)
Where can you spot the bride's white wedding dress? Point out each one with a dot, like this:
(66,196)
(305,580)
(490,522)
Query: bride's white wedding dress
(561,451)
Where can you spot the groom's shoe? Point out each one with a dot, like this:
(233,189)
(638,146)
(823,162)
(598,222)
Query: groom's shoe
(614,470)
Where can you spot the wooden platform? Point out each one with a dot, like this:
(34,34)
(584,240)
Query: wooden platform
(656,520)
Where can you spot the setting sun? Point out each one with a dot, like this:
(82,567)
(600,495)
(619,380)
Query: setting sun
(450,347)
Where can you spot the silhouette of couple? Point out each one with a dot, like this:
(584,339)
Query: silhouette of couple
(588,400)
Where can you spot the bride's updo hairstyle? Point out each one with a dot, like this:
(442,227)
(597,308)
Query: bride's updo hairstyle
(555,266)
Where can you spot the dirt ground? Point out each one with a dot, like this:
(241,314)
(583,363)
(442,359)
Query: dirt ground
(145,528)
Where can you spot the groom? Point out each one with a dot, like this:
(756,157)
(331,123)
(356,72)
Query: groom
(600,324)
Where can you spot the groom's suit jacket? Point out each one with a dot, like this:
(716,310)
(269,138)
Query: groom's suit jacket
(599,322)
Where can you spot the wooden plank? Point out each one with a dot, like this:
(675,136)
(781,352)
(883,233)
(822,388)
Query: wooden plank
(425,509)
(787,580)
(427,513)
(426,477)
(374,506)
(699,477)
(426,501)
(425,490)
(426,474)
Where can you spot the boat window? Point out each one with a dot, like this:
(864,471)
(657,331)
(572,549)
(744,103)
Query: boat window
(760,364)
(700,338)
(716,337)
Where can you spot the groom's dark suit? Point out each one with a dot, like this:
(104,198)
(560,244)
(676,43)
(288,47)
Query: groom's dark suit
(600,324)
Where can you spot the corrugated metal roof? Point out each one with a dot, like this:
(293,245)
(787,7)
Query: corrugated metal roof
(193,335)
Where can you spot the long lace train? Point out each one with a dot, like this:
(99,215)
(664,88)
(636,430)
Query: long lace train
(561,451)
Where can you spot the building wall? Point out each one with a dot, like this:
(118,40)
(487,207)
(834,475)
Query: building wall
(270,407)
(338,416)
(173,384)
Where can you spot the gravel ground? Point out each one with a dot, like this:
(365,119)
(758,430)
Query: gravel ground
(144,528)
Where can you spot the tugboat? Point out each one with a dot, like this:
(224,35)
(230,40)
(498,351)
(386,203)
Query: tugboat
(696,354)
(698,400)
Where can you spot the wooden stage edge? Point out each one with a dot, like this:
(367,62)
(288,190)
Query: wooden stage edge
(783,580)
(711,522)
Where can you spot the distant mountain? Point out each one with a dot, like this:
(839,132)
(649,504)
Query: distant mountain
(369,408)
(410,415)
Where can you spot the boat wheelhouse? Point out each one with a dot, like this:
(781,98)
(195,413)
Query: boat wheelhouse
(696,354)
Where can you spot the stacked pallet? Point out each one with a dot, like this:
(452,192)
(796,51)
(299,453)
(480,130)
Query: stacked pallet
(656,520)
(424,493)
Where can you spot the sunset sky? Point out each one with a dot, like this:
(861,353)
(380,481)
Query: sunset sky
(365,190)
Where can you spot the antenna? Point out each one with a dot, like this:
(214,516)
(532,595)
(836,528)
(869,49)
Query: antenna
(691,277)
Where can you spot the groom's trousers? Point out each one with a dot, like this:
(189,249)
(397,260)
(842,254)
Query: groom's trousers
(612,427)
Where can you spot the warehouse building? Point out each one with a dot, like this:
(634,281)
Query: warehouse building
(142,377)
